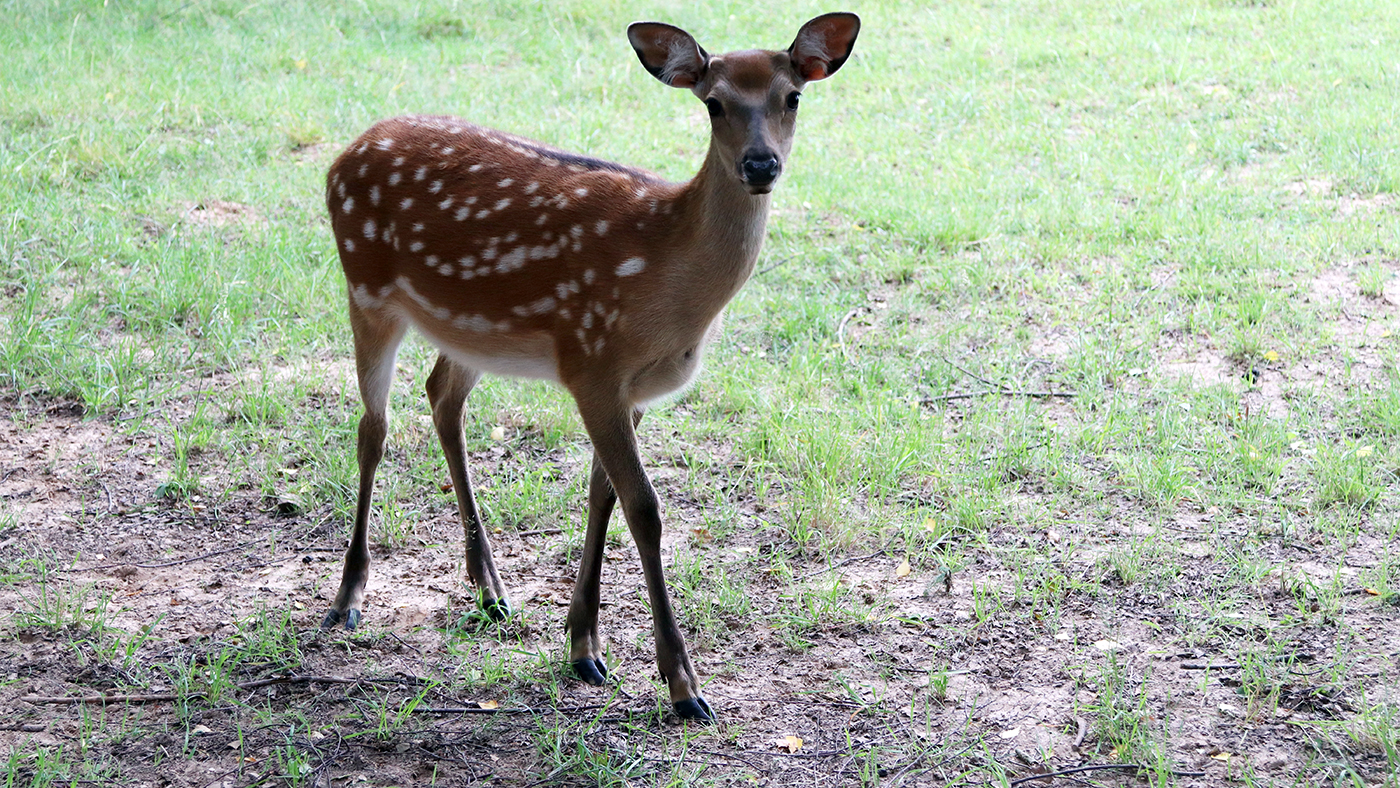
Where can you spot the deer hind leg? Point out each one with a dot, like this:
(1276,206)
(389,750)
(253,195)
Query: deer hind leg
(448,387)
(377,339)
(615,443)
(585,647)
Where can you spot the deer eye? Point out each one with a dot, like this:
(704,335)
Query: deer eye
(792,100)
(716,109)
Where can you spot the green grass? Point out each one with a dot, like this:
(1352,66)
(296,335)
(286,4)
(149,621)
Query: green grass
(1087,309)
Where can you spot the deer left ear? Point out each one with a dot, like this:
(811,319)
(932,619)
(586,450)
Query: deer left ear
(823,44)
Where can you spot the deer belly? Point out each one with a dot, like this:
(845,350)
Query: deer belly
(476,344)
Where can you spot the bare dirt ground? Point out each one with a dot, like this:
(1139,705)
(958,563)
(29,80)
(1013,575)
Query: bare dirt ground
(921,690)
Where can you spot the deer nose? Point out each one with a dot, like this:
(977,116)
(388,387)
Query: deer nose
(760,169)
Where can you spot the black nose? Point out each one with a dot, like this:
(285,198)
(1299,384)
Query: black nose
(760,169)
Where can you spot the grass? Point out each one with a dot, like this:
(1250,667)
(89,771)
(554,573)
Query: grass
(1087,311)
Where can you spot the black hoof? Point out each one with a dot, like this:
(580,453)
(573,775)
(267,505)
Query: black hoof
(695,709)
(498,609)
(591,671)
(352,619)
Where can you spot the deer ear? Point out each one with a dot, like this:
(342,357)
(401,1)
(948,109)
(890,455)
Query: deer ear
(669,53)
(823,44)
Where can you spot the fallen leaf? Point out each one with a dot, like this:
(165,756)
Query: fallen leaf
(488,704)
(1107,645)
(1222,756)
(498,434)
(903,569)
(1270,355)
(789,743)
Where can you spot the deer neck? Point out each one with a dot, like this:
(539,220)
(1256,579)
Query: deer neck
(728,225)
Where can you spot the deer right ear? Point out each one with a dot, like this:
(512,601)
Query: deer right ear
(669,53)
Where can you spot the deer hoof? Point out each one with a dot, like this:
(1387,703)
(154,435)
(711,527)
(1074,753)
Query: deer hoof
(497,609)
(591,671)
(351,616)
(695,709)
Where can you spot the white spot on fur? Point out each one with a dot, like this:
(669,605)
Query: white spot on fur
(421,173)
(416,246)
(539,306)
(631,266)
(587,320)
(441,313)
(581,192)
(532,187)
(369,229)
(462,213)
(417,227)
(588,276)
(349,245)
(385,143)
(431,259)
(362,297)
(399,160)
(541,219)
(445,204)
(374,195)
(504,182)
(601,228)
(511,260)
(502,203)
(435,187)
(405,203)
(394,178)
(364,168)
(348,205)
(477,323)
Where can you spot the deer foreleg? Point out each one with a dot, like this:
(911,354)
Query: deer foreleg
(615,444)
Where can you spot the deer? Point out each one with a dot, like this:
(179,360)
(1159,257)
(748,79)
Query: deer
(516,258)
